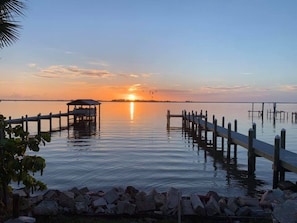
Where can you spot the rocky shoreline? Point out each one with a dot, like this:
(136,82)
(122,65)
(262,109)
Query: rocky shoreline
(274,204)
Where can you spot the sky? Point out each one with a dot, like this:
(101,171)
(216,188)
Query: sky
(185,50)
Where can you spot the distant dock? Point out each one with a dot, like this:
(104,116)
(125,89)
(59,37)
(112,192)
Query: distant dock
(78,110)
(199,126)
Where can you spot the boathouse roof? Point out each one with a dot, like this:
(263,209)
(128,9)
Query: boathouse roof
(84,102)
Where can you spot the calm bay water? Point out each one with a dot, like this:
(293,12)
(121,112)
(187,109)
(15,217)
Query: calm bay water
(131,145)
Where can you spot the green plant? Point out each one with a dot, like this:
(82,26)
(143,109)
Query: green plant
(15,164)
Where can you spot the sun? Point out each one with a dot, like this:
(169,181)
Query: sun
(131,97)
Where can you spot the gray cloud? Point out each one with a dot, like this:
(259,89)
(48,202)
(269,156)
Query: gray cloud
(59,71)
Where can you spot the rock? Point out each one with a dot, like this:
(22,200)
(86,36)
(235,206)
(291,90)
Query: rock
(132,191)
(81,207)
(222,203)
(271,198)
(51,195)
(213,194)
(187,208)
(287,185)
(125,207)
(197,205)
(144,202)
(248,201)
(75,191)
(286,212)
(212,207)
(228,212)
(21,192)
(111,196)
(84,190)
(100,202)
(46,207)
(173,197)
(66,199)
(243,211)
(232,204)
(111,209)
(160,200)
(35,200)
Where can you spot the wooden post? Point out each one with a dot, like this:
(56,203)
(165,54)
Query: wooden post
(235,145)
(50,122)
(223,139)
(205,129)
(283,146)
(9,126)
(276,161)
(38,124)
(193,124)
(23,122)
(255,130)
(229,141)
(60,123)
(251,154)
(262,112)
(196,125)
(200,129)
(168,119)
(188,121)
(27,127)
(214,135)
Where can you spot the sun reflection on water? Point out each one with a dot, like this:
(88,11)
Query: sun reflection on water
(131,111)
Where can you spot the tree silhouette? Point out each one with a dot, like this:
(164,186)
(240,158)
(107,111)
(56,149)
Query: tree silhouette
(9,27)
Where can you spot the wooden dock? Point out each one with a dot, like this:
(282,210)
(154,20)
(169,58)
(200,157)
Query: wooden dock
(83,110)
(199,126)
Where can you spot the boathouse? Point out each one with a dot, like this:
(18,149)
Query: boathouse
(84,109)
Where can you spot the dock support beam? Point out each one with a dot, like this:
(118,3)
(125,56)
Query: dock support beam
(276,162)
(251,154)
(229,142)
(283,146)
(214,136)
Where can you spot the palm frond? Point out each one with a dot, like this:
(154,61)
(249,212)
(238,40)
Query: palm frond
(8,34)
(10,7)
(8,26)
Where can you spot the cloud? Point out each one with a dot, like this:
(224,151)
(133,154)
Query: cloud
(134,87)
(133,75)
(59,71)
(99,63)
(225,88)
(288,88)
(32,65)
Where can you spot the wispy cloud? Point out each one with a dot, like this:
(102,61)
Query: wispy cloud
(290,88)
(32,65)
(133,75)
(59,71)
(99,63)
(225,88)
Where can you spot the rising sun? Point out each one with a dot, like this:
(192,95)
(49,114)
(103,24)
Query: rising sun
(131,97)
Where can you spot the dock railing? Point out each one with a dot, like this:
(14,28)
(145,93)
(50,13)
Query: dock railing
(199,126)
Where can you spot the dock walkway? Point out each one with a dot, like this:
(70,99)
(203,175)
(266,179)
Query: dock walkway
(282,159)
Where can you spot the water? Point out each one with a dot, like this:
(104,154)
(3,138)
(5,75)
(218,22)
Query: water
(132,146)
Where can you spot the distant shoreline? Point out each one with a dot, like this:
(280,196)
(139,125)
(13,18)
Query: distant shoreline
(154,101)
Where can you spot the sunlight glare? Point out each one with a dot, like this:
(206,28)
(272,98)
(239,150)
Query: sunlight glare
(132,97)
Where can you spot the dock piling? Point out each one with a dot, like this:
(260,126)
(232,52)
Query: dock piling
(229,142)
(251,153)
(283,146)
(276,161)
